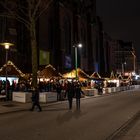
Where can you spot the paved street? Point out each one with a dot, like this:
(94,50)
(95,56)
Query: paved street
(98,119)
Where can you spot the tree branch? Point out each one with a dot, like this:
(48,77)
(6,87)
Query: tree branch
(36,8)
(12,14)
(43,10)
(27,24)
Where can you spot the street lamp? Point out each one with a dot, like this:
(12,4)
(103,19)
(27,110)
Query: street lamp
(123,67)
(7,47)
(134,61)
(76,46)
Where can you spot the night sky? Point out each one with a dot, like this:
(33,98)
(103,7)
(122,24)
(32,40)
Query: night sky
(121,20)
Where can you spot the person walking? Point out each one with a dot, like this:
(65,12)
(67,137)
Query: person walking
(35,100)
(78,92)
(100,88)
(58,90)
(70,93)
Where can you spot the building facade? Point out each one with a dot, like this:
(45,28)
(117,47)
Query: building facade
(124,58)
(67,24)
(63,25)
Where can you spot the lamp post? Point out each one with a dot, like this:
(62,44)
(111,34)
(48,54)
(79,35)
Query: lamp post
(76,46)
(124,63)
(7,47)
(134,61)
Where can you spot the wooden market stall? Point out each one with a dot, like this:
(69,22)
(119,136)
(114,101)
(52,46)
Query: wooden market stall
(12,70)
(95,78)
(13,75)
(95,75)
(96,81)
(48,74)
(82,76)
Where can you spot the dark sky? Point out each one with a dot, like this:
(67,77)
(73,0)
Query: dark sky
(121,19)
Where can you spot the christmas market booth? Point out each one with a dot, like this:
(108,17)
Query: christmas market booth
(10,72)
(96,82)
(112,84)
(82,76)
(96,79)
(84,79)
(13,73)
(49,72)
(125,81)
(47,79)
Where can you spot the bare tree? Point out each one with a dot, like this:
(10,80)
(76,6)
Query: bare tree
(27,13)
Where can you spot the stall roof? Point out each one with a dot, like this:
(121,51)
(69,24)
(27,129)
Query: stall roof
(124,77)
(81,74)
(95,75)
(12,70)
(49,72)
(112,75)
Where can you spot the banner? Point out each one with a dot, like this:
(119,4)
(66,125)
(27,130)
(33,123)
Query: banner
(44,57)
(68,62)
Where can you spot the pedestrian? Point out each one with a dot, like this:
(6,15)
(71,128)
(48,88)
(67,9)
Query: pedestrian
(58,90)
(70,93)
(100,88)
(78,93)
(35,99)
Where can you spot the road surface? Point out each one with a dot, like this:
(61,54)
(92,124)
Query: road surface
(98,119)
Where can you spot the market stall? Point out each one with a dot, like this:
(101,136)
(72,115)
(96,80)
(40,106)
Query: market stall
(95,79)
(47,82)
(48,72)
(82,76)
(12,73)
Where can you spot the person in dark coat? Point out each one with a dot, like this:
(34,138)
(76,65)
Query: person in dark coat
(100,88)
(58,90)
(78,92)
(70,93)
(35,100)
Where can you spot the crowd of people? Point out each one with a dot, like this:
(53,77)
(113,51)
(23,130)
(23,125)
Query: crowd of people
(70,90)
(65,89)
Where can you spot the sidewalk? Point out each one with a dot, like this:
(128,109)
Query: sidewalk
(11,106)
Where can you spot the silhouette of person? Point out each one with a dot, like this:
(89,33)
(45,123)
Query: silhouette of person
(78,92)
(35,99)
(70,93)
(58,90)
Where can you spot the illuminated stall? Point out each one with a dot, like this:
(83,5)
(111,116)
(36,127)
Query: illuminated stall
(48,74)
(95,79)
(112,84)
(13,76)
(82,76)
(113,81)
(13,73)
